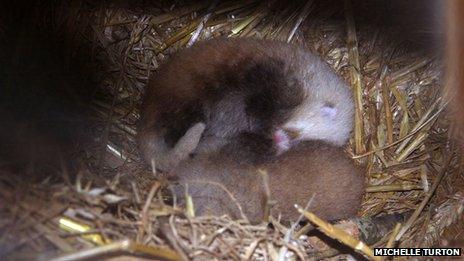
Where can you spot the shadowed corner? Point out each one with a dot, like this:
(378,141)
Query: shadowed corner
(48,81)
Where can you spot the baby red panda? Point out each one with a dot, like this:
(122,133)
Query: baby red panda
(228,181)
(243,85)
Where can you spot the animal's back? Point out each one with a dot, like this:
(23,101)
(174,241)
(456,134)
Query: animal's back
(317,170)
(209,68)
(312,168)
(198,70)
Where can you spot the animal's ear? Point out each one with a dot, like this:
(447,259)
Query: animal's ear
(329,111)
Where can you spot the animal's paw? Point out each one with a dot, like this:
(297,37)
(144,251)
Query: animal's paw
(196,130)
(189,142)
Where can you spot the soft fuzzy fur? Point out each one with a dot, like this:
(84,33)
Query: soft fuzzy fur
(311,168)
(242,85)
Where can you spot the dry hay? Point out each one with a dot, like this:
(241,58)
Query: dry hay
(401,134)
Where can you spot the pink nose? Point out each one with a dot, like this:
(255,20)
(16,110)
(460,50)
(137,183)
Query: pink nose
(280,136)
(281,141)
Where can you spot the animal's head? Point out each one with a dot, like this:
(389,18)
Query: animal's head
(325,114)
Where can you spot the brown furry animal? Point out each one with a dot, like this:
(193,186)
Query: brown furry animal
(228,182)
(242,85)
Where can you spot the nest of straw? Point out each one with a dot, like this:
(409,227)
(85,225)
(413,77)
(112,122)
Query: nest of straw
(115,205)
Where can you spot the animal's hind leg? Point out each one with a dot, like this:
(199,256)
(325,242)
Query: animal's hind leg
(187,143)
(155,150)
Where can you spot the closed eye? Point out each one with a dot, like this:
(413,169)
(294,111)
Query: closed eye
(329,112)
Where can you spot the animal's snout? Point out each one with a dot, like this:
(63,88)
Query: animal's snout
(285,139)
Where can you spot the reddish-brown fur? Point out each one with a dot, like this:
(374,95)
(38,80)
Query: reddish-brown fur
(312,168)
(185,91)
